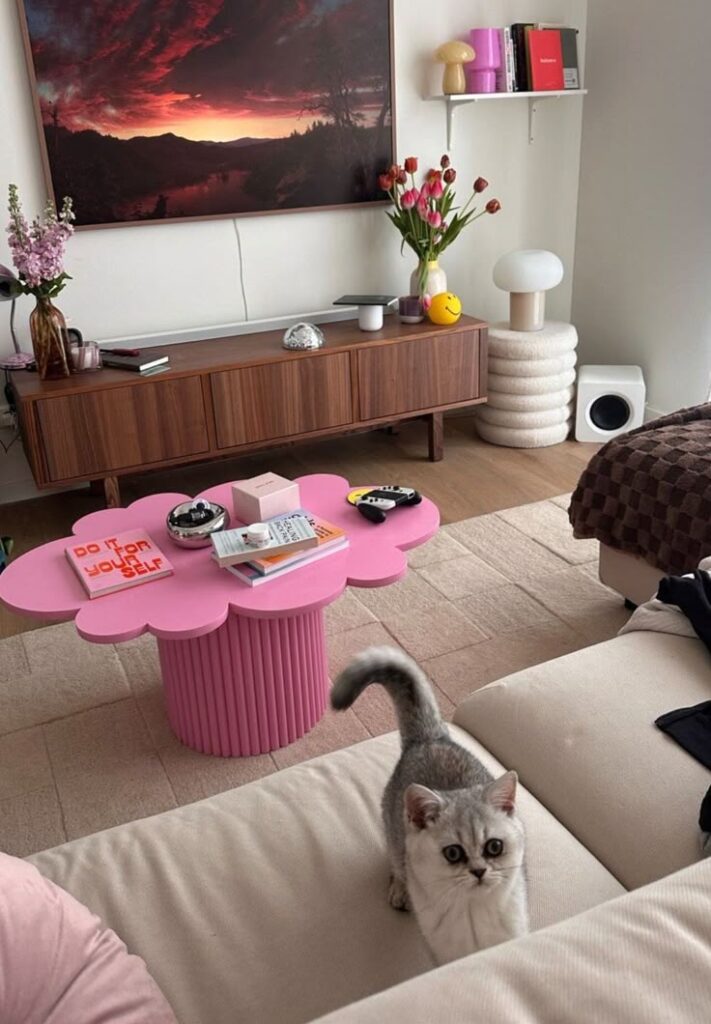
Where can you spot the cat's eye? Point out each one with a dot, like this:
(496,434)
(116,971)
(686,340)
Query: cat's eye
(493,848)
(454,854)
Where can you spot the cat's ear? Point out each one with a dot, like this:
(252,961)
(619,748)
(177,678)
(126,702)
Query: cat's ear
(501,793)
(422,806)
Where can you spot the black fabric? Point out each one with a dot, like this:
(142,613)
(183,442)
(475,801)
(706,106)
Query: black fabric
(692,594)
(691,728)
(705,815)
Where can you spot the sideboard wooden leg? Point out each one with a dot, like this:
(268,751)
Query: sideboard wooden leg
(112,492)
(436,436)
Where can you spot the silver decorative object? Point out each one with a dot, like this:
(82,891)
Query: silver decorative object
(191,523)
(303,336)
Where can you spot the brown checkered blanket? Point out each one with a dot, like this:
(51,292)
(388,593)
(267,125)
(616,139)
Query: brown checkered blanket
(648,492)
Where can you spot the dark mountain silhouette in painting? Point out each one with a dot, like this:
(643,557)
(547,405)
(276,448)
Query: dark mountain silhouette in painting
(165,176)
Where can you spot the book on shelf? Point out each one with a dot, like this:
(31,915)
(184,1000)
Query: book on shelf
(518,36)
(143,363)
(330,538)
(545,59)
(571,68)
(287,533)
(541,57)
(505,73)
(117,562)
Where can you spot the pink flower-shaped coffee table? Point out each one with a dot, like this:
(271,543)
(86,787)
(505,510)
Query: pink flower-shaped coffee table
(244,668)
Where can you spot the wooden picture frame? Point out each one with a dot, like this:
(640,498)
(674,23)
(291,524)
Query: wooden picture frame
(155,176)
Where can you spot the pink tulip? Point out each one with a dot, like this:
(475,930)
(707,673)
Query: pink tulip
(426,301)
(436,189)
(434,219)
(408,199)
(422,208)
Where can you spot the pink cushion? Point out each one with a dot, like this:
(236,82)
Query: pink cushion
(60,965)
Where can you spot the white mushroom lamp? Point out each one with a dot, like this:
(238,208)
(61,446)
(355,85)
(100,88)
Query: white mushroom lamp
(528,274)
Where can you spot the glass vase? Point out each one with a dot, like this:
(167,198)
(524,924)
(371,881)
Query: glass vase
(48,329)
(428,281)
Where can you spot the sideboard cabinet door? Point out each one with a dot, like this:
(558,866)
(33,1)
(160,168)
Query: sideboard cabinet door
(281,399)
(93,434)
(421,374)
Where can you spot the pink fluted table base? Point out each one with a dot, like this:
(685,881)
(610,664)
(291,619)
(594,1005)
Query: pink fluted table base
(248,687)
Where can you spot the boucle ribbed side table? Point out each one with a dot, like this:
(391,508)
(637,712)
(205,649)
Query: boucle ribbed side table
(531,386)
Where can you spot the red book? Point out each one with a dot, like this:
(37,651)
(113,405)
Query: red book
(545,57)
(115,563)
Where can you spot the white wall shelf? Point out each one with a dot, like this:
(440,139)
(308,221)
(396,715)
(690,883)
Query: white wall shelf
(454,101)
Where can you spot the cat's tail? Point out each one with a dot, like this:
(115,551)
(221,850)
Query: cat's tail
(417,711)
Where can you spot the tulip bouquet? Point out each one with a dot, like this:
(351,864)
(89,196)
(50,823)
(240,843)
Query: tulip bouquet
(426,216)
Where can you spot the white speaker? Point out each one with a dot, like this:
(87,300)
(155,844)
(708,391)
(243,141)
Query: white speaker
(610,402)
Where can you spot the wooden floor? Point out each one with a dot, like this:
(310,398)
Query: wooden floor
(474,478)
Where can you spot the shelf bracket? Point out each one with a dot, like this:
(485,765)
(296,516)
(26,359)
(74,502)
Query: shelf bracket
(532,111)
(450,120)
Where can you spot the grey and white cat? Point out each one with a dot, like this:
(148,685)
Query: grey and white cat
(455,844)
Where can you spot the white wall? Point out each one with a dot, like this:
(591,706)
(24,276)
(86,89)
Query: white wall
(642,292)
(143,279)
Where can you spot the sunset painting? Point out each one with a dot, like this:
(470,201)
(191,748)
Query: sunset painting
(157,110)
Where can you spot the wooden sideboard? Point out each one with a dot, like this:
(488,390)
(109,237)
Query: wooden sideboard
(239,394)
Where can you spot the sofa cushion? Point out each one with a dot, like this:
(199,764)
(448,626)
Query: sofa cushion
(640,959)
(580,731)
(268,903)
(60,964)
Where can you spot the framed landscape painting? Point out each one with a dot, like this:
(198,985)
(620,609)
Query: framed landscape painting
(156,110)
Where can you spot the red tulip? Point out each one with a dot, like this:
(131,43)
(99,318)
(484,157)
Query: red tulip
(434,219)
(449,175)
(385,182)
(433,175)
(436,189)
(445,161)
(402,177)
(480,184)
(394,171)
(411,164)
(493,206)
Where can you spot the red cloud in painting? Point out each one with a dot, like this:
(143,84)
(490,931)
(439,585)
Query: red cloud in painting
(127,67)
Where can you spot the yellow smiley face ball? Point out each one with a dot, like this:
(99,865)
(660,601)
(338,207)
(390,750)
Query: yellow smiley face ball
(445,309)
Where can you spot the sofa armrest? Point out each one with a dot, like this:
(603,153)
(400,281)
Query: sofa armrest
(640,958)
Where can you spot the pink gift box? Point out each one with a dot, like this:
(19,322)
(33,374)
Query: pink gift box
(263,497)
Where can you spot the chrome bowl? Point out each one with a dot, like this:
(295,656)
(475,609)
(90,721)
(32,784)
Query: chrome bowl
(192,523)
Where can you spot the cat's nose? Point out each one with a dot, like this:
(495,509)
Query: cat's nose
(479,872)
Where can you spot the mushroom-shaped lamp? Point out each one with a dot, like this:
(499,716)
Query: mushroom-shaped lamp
(454,55)
(528,274)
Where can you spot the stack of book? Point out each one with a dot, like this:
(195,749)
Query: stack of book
(140,361)
(537,58)
(296,538)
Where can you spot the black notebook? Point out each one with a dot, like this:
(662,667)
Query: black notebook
(139,364)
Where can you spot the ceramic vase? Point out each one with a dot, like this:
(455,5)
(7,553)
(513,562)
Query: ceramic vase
(433,282)
(48,330)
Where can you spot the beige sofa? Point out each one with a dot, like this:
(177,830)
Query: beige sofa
(267,904)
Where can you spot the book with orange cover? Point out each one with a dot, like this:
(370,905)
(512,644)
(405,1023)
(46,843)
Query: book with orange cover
(117,562)
(545,59)
(327,535)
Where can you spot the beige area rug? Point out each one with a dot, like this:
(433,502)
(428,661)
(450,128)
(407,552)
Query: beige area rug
(84,740)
